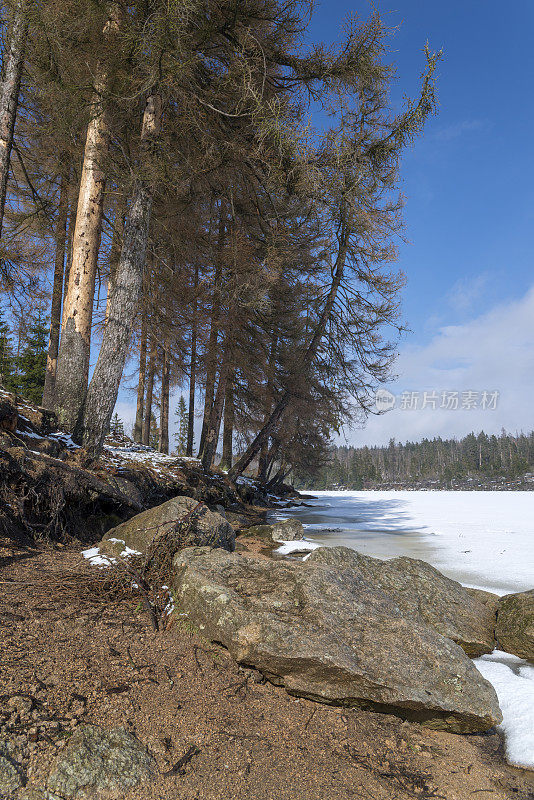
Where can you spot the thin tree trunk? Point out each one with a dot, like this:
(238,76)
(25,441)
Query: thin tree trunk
(149,392)
(164,406)
(104,386)
(264,451)
(228,424)
(211,366)
(138,427)
(75,346)
(214,422)
(57,290)
(309,356)
(192,374)
(13,63)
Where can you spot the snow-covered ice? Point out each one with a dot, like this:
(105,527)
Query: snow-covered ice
(482,539)
(513,680)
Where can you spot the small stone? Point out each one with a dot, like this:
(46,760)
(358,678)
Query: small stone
(101,763)
(10,779)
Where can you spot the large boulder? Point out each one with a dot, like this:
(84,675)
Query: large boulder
(100,764)
(421,592)
(207,528)
(327,634)
(515,624)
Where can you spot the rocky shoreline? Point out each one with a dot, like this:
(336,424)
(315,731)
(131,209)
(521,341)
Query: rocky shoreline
(238,623)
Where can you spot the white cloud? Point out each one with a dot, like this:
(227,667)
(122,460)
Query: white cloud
(467,291)
(493,352)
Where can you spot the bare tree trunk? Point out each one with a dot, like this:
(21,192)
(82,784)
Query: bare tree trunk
(75,346)
(264,451)
(138,427)
(192,375)
(211,366)
(164,406)
(115,249)
(309,356)
(13,63)
(228,423)
(104,386)
(149,392)
(57,289)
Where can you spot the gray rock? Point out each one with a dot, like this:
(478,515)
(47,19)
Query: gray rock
(488,599)
(10,779)
(421,592)
(100,764)
(328,634)
(288,530)
(515,624)
(208,528)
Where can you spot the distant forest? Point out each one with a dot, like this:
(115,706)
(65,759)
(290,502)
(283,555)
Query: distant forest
(446,462)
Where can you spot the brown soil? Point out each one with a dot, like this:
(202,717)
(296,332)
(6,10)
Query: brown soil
(81,660)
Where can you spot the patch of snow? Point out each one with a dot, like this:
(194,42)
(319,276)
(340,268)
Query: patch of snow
(299,546)
(93,555)
(29,434)
(65,439)
(513,680)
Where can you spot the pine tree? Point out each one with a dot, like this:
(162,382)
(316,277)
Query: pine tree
(180,436)
(116,427)
(32,361)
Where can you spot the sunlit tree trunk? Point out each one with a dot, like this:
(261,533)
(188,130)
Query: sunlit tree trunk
(138,427)
(104,386)
(13,62)
(75,346)
(57,289)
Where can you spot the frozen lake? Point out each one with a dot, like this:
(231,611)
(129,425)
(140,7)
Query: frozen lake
(481,539)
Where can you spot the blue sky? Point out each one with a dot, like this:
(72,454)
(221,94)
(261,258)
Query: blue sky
(469,213)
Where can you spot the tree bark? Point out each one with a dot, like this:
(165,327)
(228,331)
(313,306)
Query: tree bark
(74,351)
(228,424)
(164,406)
(211,365)
(57,289)
(149,392)
(13,63)
(115,249)
(104,386)
(138,427)
(192,375)
(310,354)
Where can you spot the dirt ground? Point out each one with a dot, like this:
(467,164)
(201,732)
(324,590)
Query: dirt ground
(217,731)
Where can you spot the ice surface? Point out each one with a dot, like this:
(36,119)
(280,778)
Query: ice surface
(481,539)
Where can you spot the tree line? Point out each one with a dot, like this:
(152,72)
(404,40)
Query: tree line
(444,461)
(164,194)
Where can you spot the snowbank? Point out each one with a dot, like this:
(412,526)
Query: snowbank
(513,680)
